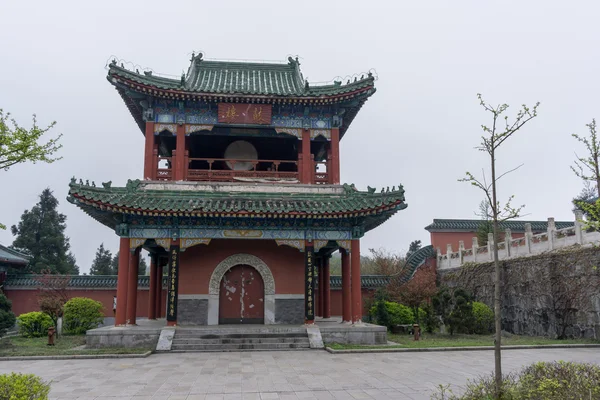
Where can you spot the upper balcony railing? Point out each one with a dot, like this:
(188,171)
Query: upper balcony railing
(240,170)
(228,170)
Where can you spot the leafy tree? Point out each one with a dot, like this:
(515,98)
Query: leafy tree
(52,294)
(41,234)
(102,264)
(383,262)
(19,145)
(7,317)
(417,291)
(588,168)
(493,137)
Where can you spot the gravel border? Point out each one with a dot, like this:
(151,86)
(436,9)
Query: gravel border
(466,348)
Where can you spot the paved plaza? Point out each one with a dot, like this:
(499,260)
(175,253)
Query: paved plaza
(277,375)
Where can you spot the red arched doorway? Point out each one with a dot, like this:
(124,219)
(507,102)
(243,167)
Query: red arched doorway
(242,296)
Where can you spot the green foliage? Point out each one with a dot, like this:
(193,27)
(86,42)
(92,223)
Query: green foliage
(142,266)
(15,386)
(34,324)
(455,306)
(396,314)
(483,318)
(7,317)
(41,234)
(102,262)
(431,322)
(557,380)
(81,314)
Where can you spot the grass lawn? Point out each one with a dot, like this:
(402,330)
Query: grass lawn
(439,340)
(64,346)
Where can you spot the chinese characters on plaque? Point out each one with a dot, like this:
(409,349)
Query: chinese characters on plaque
(249,114)
(309,291)
(172,288)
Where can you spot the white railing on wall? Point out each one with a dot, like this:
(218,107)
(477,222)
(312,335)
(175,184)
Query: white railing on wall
(525,246)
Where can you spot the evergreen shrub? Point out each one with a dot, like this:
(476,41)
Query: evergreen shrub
(15,386)
(7,317)
(81,314)
(483,318)
(34,324)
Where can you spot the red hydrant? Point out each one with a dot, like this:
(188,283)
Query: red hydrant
(51,332)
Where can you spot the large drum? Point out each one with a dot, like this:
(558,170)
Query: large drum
(240,150)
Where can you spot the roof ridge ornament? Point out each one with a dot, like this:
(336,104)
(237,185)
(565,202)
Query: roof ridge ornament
(132,185)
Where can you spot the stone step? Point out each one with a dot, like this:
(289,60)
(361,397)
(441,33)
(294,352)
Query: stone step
(235,335)
(238,331)
(246,340)
(238,346)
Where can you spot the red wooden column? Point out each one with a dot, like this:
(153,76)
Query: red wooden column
(326,289)
(159,291)
(180,159)
(152,288)
(346,294)
(122,277)
(321,287)
(335,156)
(356,282)
(149,166)
(307,164)
(134,261)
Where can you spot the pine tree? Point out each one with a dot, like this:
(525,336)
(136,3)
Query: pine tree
(142,267)
(114,265)
(41,234)
(102,264)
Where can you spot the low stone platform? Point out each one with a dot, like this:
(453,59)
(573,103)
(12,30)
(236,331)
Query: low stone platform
(334,331)
(145,334)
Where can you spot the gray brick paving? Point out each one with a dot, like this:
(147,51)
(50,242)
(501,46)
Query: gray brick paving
(277,375)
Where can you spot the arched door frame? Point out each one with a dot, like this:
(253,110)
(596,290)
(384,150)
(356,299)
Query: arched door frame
(214,285)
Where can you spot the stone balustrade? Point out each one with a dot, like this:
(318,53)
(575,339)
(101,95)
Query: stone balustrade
(525,246)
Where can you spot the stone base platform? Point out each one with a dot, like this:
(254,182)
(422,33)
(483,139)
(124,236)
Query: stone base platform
(334,331)
(147,332)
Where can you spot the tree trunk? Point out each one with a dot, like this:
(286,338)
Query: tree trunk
(497,288)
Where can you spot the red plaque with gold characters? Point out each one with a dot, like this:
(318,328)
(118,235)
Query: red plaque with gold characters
(251,114)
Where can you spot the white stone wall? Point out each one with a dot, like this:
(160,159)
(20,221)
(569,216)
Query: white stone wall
(528,245)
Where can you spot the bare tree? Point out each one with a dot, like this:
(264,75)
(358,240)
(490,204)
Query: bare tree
(491,140)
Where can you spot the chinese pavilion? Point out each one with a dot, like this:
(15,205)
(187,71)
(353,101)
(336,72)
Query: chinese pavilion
(241,198)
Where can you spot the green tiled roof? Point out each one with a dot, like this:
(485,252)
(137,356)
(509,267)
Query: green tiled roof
(471,225)
(242,78)
(367,281)
(77,281)
(12,258)
(415,260)
(136,197)
(110,281)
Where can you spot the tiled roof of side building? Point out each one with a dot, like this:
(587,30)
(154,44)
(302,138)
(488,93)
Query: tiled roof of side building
(12,257)
(471,225)
(242,78)
(110,281)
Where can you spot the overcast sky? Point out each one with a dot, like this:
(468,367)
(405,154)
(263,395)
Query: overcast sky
(419,129)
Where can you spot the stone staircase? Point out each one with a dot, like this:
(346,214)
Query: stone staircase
(240,339)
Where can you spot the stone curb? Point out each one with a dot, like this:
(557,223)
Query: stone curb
(75,357)
(467,348)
